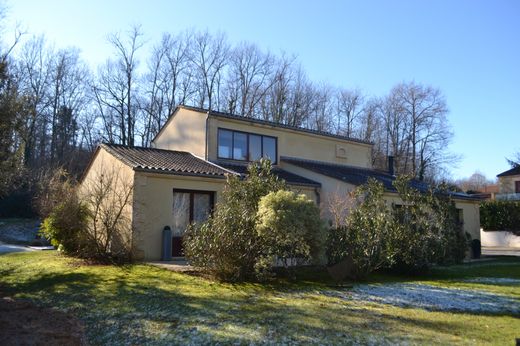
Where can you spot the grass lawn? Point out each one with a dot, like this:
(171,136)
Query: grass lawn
(140,304)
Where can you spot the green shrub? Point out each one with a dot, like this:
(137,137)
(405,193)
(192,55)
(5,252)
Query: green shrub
(363,237)
(65,227)
(500,216)
(408,238)
(227,245)
(290,229)
(426,230)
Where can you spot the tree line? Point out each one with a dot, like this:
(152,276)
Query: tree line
(55,109)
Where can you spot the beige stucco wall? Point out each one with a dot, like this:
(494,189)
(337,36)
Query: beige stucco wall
(154,202)
(184,131)
(154,206)
(507,184)
(331,189)
(471,212)
(121,177)
(296,144)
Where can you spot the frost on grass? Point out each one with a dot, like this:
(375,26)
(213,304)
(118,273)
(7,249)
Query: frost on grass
(495,281)
(433,298)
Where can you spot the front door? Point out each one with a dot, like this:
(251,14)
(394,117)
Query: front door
(188,206)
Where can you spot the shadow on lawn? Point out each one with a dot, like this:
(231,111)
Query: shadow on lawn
(129,307)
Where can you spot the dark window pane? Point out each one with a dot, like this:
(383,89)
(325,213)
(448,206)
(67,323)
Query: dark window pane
(181,213)
(201,206)
(255,147)
(239,146)
(225,140)
(270,148)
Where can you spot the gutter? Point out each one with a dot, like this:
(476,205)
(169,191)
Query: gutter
(206,135)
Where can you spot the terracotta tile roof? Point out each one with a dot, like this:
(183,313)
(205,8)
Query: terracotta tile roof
(359,176)
(512,171)
(274,124)
(164,161)
(290,178)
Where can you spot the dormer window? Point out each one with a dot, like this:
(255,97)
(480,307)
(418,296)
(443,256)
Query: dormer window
(244,146)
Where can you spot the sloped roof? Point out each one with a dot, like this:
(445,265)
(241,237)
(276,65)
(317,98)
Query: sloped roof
(359,176)
(272,123)
(164,161)
(290,178)
(512,171)
(185,163)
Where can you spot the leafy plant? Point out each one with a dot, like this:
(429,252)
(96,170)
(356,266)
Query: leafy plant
(227,245)
(363,237)
(500,216)
(290,230)
(65,227)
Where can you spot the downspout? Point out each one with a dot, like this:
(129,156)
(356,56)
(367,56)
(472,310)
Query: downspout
(317,191)
(206,155)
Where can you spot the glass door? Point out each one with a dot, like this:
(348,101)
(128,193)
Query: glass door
(188,206)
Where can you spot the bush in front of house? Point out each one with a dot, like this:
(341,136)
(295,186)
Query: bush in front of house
(363,237)
(227,245)
(500,216)
(65,227)
(92,222)
(426,230)
(406,238)
(290,231)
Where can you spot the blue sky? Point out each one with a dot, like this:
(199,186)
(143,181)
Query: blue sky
(468,49)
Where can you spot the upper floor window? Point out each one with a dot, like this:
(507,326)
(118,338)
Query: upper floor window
(237,145)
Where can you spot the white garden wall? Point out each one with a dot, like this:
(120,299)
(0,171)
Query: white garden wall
(499,238)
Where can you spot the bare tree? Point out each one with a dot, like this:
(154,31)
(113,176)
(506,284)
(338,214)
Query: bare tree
(116,88)
(108,196)
(476,182)
(33,73)
(209,56)
(515,161)
(321,109)
(349,109)
(425,110)
(248,79)
(168,83)
(67,98)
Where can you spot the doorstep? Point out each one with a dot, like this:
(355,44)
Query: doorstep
(177,265)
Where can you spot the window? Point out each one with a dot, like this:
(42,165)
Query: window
(188,206)
(255,147)
(239,146)
(225,143)
(517,186)
(243,146)
(269,148)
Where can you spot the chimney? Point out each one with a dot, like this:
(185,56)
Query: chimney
(391,165)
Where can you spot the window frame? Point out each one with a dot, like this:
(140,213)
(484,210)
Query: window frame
(248,159)
(192,198)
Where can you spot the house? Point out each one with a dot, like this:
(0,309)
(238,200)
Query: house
(179,179)
(509,184)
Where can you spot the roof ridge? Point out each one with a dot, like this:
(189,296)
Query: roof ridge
(145,148)
(335,164)
(272,123)
(515,170)
(214,164)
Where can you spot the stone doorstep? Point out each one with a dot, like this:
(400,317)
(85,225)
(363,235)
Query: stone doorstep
(175,265)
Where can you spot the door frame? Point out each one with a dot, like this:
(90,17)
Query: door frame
(192,193)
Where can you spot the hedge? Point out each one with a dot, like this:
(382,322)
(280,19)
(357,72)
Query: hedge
(500,216)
